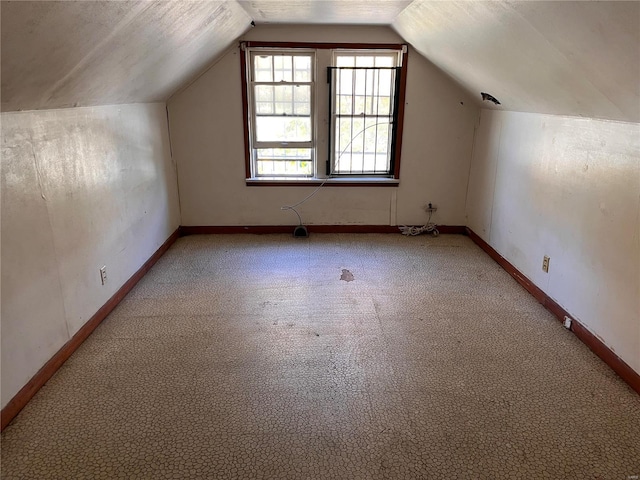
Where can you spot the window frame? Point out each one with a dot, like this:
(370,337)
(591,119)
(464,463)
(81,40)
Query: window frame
(319,176)
(253,82)
(334,73)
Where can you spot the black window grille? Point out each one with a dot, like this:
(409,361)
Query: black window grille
(364,108)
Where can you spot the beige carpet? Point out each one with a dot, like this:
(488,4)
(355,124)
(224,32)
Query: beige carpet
(248,357)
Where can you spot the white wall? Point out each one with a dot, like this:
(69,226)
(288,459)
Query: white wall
(207,139)
(81,188)
(568,188)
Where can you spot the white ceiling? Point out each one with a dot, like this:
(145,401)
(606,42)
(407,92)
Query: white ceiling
(570,58)
(380,12)
(66,53)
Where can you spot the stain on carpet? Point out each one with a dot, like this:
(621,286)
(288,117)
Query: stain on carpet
(347,276)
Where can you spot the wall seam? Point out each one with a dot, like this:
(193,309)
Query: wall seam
(473,151)
(493,193)
(175,164)
(53,240)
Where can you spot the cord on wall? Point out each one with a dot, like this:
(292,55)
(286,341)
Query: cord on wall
(293,207)
(429,227)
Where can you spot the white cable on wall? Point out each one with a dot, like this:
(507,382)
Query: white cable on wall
(429,227)
(293,207)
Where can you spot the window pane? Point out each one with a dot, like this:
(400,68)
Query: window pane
(264,100)
(264,108)
(362,145)
(282,68)
(365,61)
(345,61)
(302,67)
(346,81)
(386,61)
(263,68)
(369,60)
(302,100)
(283,99)
(343,104)
(363,91)
(284,161)
(385,93)
(283,129)
(360,82)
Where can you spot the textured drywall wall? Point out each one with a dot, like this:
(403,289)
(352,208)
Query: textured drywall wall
(81,188)
(568,188)
(207,139)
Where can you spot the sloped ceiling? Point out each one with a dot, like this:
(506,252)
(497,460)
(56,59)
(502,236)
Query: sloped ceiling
(569,58)
(68,53)
(367,12)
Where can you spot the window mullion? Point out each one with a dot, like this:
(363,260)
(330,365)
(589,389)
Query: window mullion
(375,84)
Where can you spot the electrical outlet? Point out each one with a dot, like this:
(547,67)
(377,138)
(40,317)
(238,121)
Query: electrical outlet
(545,264)
(430,208)
(103,275)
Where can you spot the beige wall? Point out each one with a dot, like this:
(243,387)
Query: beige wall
(568,188)
(81,188)
(207,140)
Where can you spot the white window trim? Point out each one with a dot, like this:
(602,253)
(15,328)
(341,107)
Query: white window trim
(255,144)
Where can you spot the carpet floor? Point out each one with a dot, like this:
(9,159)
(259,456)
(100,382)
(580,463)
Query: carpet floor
(346,356)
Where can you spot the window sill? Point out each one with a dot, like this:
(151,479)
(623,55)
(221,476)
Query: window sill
(332,182)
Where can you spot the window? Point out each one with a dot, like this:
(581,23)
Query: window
(281,96)
(298,128)
(363,113)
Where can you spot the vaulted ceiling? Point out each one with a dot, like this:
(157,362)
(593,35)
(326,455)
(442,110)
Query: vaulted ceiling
(569,58)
